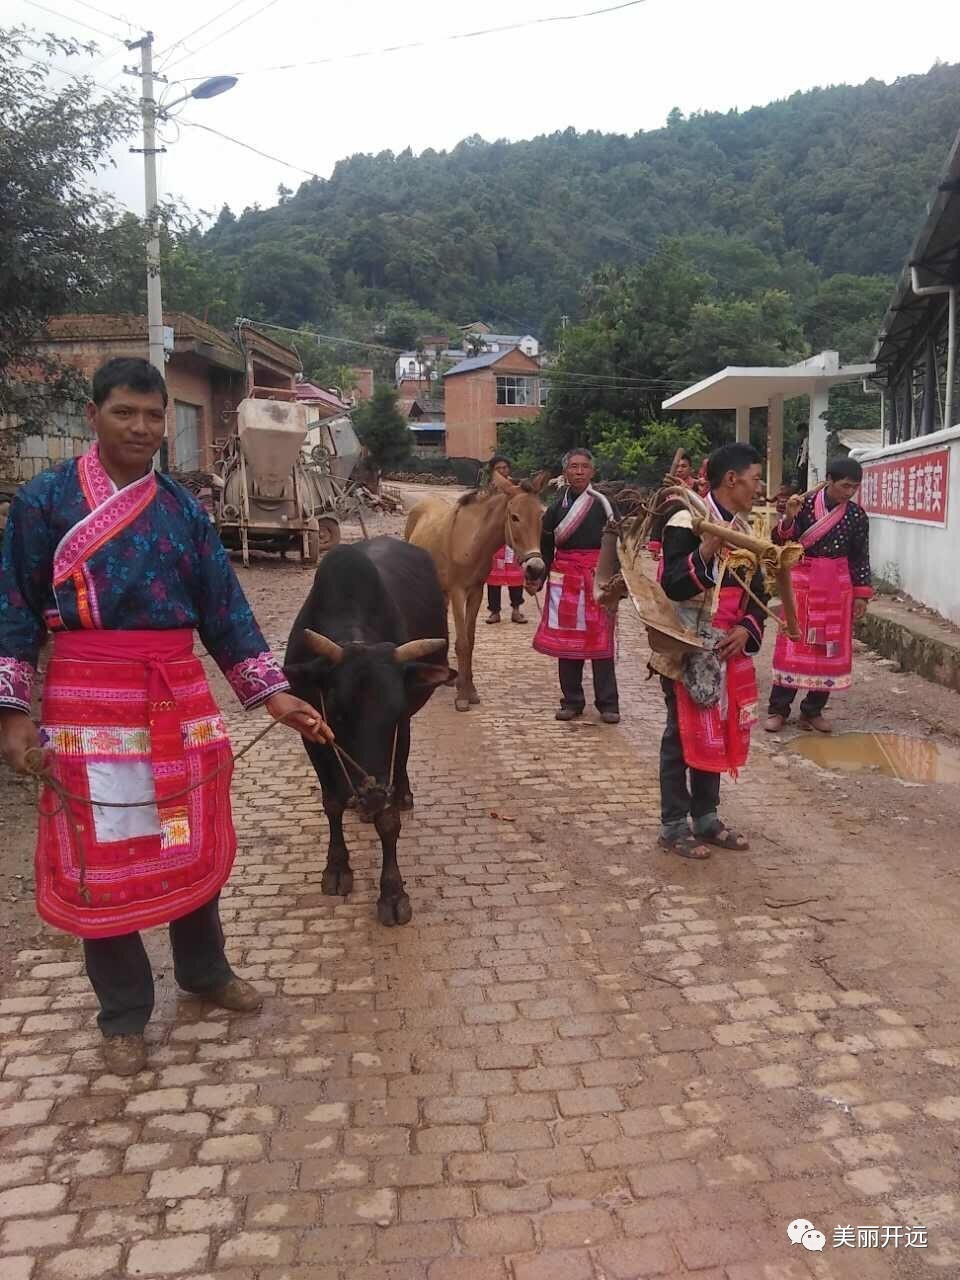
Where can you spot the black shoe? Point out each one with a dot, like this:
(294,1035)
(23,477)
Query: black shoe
(610,717)
(568,713)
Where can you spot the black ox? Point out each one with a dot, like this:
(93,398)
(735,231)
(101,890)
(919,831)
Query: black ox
(367,649)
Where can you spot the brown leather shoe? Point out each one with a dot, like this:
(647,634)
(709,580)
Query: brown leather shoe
(610,717)
(820,723)
(236,995)
(124,1055)
(517,616)
(773,724)
(568,713)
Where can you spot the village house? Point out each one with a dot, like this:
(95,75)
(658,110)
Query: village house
(208,373)
(911,486)
(491,341)
(484,391)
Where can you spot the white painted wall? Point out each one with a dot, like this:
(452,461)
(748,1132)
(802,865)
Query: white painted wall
(921,559)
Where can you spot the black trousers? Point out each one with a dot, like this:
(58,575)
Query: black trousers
(495,595)
(119,969)
(678,800)
(605,692)
(781,700)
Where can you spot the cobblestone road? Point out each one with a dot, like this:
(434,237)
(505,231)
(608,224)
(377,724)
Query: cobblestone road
(583,1060)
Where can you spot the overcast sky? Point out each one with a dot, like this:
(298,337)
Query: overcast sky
(617,72)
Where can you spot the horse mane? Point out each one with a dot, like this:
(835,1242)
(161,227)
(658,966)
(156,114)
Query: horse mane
(478,495)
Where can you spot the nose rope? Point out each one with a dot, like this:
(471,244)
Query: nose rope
(344,759)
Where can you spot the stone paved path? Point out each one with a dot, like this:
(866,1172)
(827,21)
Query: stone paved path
(582,1060)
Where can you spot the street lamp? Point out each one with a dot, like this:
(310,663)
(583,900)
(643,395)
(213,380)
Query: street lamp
(211,88)
(150,112)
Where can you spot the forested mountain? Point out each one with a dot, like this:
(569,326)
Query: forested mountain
(830,181)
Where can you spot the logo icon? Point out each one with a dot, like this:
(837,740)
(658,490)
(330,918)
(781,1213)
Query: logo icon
(813,1240)
(798,1229)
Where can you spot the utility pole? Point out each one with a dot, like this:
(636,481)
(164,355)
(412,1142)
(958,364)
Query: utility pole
(150,151)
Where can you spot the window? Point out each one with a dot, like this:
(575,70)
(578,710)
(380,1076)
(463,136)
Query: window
(544,392)
(519,391)
(186,441)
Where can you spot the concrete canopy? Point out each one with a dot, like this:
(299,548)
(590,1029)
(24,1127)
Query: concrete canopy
(751,388)
(747,388)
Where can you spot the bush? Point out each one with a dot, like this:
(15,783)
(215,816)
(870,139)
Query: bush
(527,446)
(645,457)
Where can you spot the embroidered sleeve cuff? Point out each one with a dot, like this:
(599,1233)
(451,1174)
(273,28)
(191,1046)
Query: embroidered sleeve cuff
(255,679)
(699,571)
(863,593)
(754,627)
(16,684)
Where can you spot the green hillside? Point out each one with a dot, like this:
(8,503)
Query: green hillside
(830,181)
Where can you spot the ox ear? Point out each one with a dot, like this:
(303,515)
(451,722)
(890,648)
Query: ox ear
(424,676)
(414,650)
(497,481)
(540,481)
(324,647)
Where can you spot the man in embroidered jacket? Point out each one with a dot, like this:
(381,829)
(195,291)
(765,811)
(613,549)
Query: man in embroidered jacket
(697,741)
(832,587)
(573,627)
(122,565)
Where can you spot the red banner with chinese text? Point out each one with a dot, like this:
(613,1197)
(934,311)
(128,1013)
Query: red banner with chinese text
(913,486)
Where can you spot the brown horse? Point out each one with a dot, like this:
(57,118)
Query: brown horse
(463,538)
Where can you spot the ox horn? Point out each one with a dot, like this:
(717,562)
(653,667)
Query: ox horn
(413,650)
(324,647)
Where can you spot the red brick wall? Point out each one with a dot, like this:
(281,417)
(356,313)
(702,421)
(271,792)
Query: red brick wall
(471,409)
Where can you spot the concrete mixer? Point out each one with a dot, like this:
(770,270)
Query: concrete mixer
(266,497)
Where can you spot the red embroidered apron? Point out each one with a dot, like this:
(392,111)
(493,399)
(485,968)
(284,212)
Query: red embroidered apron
(717,739)
(128,715)
(572,624)
(505,571)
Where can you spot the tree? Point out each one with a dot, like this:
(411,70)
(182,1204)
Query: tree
(643,457)
(400,330)
(193,279)
(52,141)
(382,429)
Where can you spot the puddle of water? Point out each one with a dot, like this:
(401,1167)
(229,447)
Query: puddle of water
(892,754)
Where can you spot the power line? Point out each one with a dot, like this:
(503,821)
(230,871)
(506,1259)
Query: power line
(459,35)
(193,124)
(324,337)
(165,53)
(105,14)
(220,35)
(568,378)
(109,35)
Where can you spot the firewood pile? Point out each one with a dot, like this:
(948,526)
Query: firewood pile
(420,477)
(387,500)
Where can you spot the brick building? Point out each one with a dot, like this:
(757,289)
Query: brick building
(485,391)
(208,373)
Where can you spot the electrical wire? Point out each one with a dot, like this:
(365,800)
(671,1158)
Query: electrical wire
(458,35)
(105,14)
(584,380)
(220,35)
(165,53)
(108,35)
(193,124)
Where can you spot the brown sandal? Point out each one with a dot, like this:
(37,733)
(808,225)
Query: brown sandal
(724,838)
(685,846)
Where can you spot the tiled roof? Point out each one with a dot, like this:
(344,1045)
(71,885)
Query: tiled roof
(487,359)
(90,328)
(309,391)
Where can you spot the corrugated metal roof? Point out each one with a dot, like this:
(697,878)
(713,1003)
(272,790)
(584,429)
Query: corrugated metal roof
(477,362)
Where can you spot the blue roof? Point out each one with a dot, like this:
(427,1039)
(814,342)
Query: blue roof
(476,362)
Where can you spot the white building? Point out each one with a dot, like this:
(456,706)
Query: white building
(911,486)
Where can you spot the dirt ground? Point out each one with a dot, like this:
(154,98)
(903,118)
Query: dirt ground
(582,1060)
